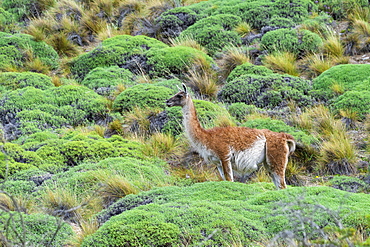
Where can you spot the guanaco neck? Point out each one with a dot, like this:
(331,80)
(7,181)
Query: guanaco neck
(192,126)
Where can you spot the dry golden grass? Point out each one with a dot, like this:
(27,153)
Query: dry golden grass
(243,29)
(86,228)
(114,187)
(162,145)
(188,41)
(232,57)
(137,121)
(318,63)
(202,77)
(283,62)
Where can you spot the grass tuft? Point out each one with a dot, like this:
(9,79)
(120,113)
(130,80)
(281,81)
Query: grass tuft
(283,62)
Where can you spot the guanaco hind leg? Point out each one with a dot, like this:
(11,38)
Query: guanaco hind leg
(277,152)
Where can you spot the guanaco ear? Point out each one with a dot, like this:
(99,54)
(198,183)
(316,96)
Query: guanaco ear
(185,89)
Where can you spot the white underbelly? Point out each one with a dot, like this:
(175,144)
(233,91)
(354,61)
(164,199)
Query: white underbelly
(247,161)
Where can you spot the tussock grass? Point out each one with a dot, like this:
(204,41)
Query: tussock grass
(232,57)
(137,121)
(243,29)
(283,62)
(114,187)
(318,63)
(201,77)
(188,41)
(162,145)
(85,228)
(333,45)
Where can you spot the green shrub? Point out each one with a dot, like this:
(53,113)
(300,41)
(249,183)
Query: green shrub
(173,21)
(86,178)
(230,213)
(142,95)
(240,110)
(346,76)
(248,69)
(355,101)
(266,91)
(299,42)
(207,112)
(339,9)
(281,22)
(18,187)
(40,229)
(214,32)
(350,184)
(30,110)
(105,80)
(173,62)
(125,51)
(14,80)
(16,46)
(7,20)
(280,126)
(173,84)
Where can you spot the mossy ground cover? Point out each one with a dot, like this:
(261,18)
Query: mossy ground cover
(220,213)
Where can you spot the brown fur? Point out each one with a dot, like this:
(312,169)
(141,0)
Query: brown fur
(223,142)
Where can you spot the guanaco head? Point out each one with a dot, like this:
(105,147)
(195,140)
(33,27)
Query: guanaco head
(178,99)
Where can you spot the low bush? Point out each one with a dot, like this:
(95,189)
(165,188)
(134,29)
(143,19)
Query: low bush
(125,51)
(40,229)
(30,110)
(268,91)
(214,32)
(248,69)
(142,95)
(240,110)
(104,81)
(15,47)
(355,101)
(174,62)
(350,184)
(229,212)
(299,42)
(345,76)
(173,21)
(14,80)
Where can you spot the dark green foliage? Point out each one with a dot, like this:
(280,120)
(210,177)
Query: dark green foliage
(339,9)
(172,22)
(348,76)
(231,212)
(266,91)
(174,61)
(240,110)
(34,229)
(281,22)
(350,184)
(125,51)
(18,187)
(299,42)
(14,80)
(142,95)
(14,47)
(280,126)
(143,174)
(215,32)
(355,101)
(248,69)
(30,110)
(257,13)
(6,20)
(105,80)
(22,10)
(207,112)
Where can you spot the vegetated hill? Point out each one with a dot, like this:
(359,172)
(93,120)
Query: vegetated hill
(90,151)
